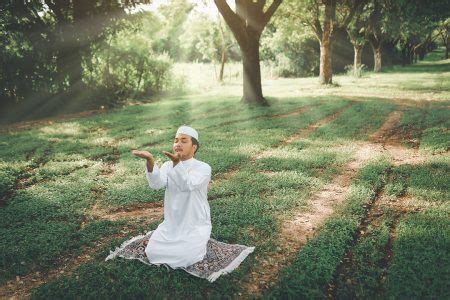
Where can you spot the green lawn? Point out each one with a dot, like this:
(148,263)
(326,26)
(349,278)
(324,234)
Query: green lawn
(53,175)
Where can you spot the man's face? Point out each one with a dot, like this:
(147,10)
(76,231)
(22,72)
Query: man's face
(183,145)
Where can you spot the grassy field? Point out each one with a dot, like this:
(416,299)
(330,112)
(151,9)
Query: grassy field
(366,160)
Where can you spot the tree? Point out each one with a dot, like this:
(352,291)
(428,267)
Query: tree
(357,33)
(444,33)
(412,25)
(247,24)
(175,13)
(321,17)
(44,45)
(376,33)
(225,44)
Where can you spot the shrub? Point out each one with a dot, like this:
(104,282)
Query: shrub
(127,68)
(359,72)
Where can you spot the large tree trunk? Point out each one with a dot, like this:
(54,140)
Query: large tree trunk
(326,72)
(357,58)
(377,59)
(376,47)
(247,24)
(252,73)
(325,38)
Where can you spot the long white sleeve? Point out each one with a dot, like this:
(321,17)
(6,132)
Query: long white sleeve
(189,181)
(157,179)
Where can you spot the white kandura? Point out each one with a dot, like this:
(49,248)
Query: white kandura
(181,239)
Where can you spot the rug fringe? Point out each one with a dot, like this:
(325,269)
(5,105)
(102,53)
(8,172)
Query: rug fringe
(233,265)
(113,254)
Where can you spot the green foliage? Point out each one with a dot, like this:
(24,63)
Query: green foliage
(174,15)
(358,72)
(127,68)
(292,52)
(205,39)
(45,45)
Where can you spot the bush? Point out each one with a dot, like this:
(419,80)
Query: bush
(127,68)
(291,54)
(358,73)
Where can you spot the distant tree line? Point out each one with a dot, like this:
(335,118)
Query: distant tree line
(398,31)
(68,55)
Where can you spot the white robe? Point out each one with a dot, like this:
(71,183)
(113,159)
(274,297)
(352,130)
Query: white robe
(180,240)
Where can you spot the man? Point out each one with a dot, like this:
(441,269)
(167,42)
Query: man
(181,239)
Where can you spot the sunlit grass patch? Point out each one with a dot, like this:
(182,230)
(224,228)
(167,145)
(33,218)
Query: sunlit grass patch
(356,123)
(427,182)
(60,168)
(63,130)
(398,181)
(9,174)
(316,162)
(128,184)
(436,132)
(430,181)
(21,146)
(410,126)
(427,127)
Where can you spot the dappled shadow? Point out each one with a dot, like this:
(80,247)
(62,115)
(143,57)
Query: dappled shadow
(420,262)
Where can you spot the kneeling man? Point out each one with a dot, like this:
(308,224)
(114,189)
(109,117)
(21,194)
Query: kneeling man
(181,239)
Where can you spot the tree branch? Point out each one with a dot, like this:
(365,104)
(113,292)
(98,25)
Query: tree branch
(233,20)
(270,11)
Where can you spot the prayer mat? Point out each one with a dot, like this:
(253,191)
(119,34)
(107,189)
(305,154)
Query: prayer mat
(220,258)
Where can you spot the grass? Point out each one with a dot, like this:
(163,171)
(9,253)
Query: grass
(54,174)
(357,123)
(426,128)
(315,265)
(366,270)
(421,264)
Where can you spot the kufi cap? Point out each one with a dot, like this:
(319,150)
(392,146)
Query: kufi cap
(188,131)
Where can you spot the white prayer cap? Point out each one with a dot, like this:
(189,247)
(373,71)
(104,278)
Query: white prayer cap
(188,131)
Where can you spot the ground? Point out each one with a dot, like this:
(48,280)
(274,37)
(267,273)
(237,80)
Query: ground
(343,190)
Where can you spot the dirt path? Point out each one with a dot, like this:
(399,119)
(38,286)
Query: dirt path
(390,142)
(295,232)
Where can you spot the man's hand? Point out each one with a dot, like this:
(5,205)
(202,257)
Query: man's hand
(143,154)
(174,157)
(148,156)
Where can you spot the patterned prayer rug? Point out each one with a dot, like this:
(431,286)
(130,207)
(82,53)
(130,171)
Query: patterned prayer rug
(221,258)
